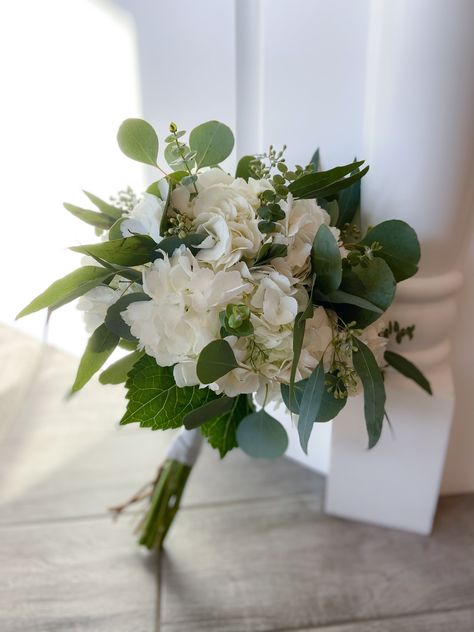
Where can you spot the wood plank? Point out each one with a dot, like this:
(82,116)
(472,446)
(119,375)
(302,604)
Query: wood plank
(81,577)
(451,621)
(282,564)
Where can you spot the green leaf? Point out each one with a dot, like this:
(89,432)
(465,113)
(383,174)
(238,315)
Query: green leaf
(113,319)
(270,251)
(332,209)
(408,369)
(298,336)
(170,244)
(400,247)
(314,185)
(244,169)
(105,207)
(349,203)
(329,407)
(176,176)
(374,390)
(221,431)
(129,251)
(115,231)
(326,260)
(204,413)
(309,405)
(138,140)
(340,185)
(215,360)
(154,399)
(117,372)
(261,436)
(101,344)
(212,142)
(99,220)
(68,288)
(374,283)
(339,296)
(315,160)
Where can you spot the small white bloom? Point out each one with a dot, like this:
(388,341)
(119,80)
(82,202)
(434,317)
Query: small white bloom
(145,218)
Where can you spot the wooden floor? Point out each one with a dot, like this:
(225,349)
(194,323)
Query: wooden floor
(251,550)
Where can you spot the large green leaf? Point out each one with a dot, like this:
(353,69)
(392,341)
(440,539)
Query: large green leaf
(68,288)
(113,319)
(261,436)
(170,244)
(408,369)
(309,405)
(138,140)
(314,185)
(349,203)
(244,169)
(214,408)
(154,399)
(117,372)
(129,251)
(100,346)
(374,390)
(339,296)
(270,251)
(212,142)
(221,430)
(400,247)
(298,336)
(99,220)
(374,283)
(329,407)
(105,207)
(215,360)
(326,260)
(340,185)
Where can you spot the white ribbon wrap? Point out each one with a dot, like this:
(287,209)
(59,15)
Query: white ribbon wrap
(186,447)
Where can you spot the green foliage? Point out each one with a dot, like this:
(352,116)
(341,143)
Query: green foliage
(399,247)
(261,436)
(154,399)
(138,140)
(374,283)
(129,251)
(113,319)
(408,369)
(298,335)
(103,206)
(68,288)
(235,321)
(394,327)
(169,244)
(99,220)
(214,408)
(316,160)
(212,142)
(270,251)
(221,430)
(117,372)
(339,296)
(325,183)
(374,390)
(244,168)
(332,209)
(115,231)
(326,260)
(329,407)
(100,346)
(348,203)
(215,360)
(309,405)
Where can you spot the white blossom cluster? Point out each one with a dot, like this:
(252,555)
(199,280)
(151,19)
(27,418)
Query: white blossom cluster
(188,291)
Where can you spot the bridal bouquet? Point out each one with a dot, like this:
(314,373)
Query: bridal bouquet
(234,294)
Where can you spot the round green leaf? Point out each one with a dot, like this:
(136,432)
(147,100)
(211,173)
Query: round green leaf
(138,140)
(261,436)
(244,169)
(400,247)
(215,360)
(212,142)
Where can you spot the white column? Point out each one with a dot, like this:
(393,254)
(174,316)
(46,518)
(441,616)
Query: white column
(420,144)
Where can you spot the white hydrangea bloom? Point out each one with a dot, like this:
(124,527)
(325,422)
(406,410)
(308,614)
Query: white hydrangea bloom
(225,211)
(145,218)
(183,315)
(299,228)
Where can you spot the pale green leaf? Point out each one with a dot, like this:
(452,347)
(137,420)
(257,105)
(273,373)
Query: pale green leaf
(117,372)
(138,140)
(100,346)
(212,141)
(261,436)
